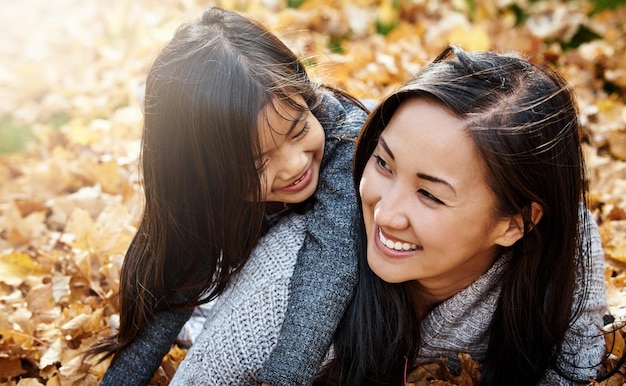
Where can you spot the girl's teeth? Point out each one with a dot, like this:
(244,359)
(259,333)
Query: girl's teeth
(298,180)
(396,245)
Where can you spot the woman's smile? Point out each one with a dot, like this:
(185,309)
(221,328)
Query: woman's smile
(397,246)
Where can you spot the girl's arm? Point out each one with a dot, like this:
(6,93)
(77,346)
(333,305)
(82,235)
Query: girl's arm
(136,364)
(326,270)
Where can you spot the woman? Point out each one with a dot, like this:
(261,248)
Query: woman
(471,178)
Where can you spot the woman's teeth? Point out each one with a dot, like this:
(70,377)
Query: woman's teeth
(398,246)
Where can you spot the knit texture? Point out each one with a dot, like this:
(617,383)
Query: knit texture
(326,271)
(461,323)
(323,279)
(136,365)
(242,325)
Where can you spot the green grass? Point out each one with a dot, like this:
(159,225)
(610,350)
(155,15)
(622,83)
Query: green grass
(13,136)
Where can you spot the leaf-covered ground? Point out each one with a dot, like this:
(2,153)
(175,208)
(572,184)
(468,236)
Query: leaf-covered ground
(71,81)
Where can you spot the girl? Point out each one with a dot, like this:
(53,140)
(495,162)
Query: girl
(236,137)
(470,179)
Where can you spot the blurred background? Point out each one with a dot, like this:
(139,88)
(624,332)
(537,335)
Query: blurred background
(71,86)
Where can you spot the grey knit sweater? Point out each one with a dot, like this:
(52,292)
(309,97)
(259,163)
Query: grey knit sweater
(322,282)
(461,323)
(243,324)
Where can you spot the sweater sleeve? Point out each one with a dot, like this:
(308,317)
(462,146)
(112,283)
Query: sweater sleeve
(242,326)
(326,269)
(136,364)
(584,343)
(232,345)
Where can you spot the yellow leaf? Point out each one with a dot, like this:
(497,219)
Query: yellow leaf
(18,267)
(470,38)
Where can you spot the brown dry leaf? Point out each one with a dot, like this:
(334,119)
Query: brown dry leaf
(616,380)
(438,373)
(614,339)
(614,239)
(22,230)
(10,368)
(424,374)
(617,143)
(52,355)
(41,303)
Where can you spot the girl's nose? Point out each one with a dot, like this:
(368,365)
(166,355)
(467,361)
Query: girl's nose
(292,163)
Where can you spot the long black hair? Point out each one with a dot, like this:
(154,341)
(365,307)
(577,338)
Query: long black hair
(202,214)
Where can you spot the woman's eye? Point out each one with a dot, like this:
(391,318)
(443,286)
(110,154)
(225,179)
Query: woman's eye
(430,197)
(302,133)
(381,162)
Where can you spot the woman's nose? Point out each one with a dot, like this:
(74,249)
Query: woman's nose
(390,210)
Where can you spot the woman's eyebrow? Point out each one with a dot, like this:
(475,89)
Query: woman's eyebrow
(384,145)
(436,180)
(423,176)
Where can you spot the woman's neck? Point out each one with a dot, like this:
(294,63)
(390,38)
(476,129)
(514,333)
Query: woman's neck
(428,298)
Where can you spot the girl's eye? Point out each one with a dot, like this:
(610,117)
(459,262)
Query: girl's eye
(261,165)
(381,162)
(302,133)
(430,197)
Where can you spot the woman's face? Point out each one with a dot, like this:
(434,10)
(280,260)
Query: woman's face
(292,145)
(426,205)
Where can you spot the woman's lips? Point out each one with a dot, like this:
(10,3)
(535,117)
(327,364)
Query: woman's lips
(394,249)
(397,245)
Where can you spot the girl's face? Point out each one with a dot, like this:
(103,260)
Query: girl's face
(426,205)
(292,145)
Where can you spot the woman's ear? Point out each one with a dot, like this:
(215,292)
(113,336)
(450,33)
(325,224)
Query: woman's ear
(537,212)
(513,227)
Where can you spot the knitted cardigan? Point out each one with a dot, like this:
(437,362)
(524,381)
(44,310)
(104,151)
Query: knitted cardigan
(243,323)
(323,278)
(461,323)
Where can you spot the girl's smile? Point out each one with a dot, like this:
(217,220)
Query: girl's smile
(292,145)
(301,183)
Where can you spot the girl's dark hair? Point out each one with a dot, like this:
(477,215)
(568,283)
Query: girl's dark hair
(203,215)
(523,119)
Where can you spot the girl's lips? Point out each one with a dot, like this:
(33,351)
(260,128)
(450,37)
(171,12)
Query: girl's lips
(300,183)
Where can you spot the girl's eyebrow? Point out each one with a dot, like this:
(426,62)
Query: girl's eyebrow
(295,122)
(292,127)
(423,176)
